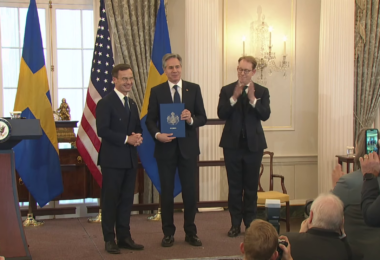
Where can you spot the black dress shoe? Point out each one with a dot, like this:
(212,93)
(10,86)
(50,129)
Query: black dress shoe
(167,241)
(128,243)
(112,248)
(234,231)
(193,240)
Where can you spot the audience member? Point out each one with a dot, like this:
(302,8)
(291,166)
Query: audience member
(261,243)
(370,200)
(348,188)
(322,236)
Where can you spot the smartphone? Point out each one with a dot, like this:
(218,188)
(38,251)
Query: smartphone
(371,139)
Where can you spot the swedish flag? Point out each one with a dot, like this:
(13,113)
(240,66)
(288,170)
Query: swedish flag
(161,46)
(37,161)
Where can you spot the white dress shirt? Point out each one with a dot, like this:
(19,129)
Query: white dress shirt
(233,102)
(121,96)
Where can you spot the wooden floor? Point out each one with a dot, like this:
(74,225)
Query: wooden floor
(77,239)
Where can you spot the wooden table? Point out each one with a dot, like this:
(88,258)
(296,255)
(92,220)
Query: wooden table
(346,159)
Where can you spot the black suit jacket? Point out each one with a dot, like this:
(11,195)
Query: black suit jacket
(370,202)
(192,97)
(234,118)
(320,244)
(113,125)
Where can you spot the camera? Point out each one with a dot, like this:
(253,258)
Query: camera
(273,209)
(279,250)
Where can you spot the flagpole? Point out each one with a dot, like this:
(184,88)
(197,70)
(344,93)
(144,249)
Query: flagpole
(30,221)
(51,55)
(157,216)
(98,218)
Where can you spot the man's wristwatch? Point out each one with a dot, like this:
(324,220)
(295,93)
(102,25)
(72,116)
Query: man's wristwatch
(368,176)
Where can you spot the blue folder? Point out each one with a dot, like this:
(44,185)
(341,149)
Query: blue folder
(170,119)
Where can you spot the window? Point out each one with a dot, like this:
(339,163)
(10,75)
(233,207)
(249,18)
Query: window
(12,41)
(75,43)
(67,30)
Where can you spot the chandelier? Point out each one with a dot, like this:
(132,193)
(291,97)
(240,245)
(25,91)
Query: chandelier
(265,56)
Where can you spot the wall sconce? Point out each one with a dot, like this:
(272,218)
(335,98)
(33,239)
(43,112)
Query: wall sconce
(267,57)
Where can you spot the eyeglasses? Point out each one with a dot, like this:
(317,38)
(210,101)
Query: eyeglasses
(240,70)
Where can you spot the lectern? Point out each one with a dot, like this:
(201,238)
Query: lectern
(13,243)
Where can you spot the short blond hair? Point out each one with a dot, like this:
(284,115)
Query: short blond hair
(249,59)
(260,240)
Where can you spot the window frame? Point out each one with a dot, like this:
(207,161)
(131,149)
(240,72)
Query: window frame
(51,59)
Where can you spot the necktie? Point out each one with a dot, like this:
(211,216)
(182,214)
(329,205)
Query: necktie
(177,98)
(244,93)
(126,105)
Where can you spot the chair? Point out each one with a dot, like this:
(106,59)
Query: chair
(271,194)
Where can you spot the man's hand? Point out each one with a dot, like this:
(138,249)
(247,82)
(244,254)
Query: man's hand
(251,92)
(186,115)
(165,138)
(135,139)
(336,174)
(304,226)
(370,164)
(286,254)
(237,92)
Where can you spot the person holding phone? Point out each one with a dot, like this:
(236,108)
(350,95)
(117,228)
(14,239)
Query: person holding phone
(370,200)
(348,188)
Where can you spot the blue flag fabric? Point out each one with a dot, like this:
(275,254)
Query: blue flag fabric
(37,161)
(161,46)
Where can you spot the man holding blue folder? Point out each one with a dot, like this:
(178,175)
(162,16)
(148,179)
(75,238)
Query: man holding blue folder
(173,151)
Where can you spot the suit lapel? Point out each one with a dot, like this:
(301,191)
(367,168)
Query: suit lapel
(133,108)
(185,93)
(166,94)
(119,106)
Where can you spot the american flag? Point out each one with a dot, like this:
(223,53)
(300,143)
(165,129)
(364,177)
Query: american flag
(88,142)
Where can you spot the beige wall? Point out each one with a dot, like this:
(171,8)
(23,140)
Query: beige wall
(296,149)
(176,23)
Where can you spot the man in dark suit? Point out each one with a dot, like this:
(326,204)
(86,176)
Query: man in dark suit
(322,235)
(243,104)
(118,124)
(181,153)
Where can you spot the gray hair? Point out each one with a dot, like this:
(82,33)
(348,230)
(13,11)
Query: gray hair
(168,56)
(327,212)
